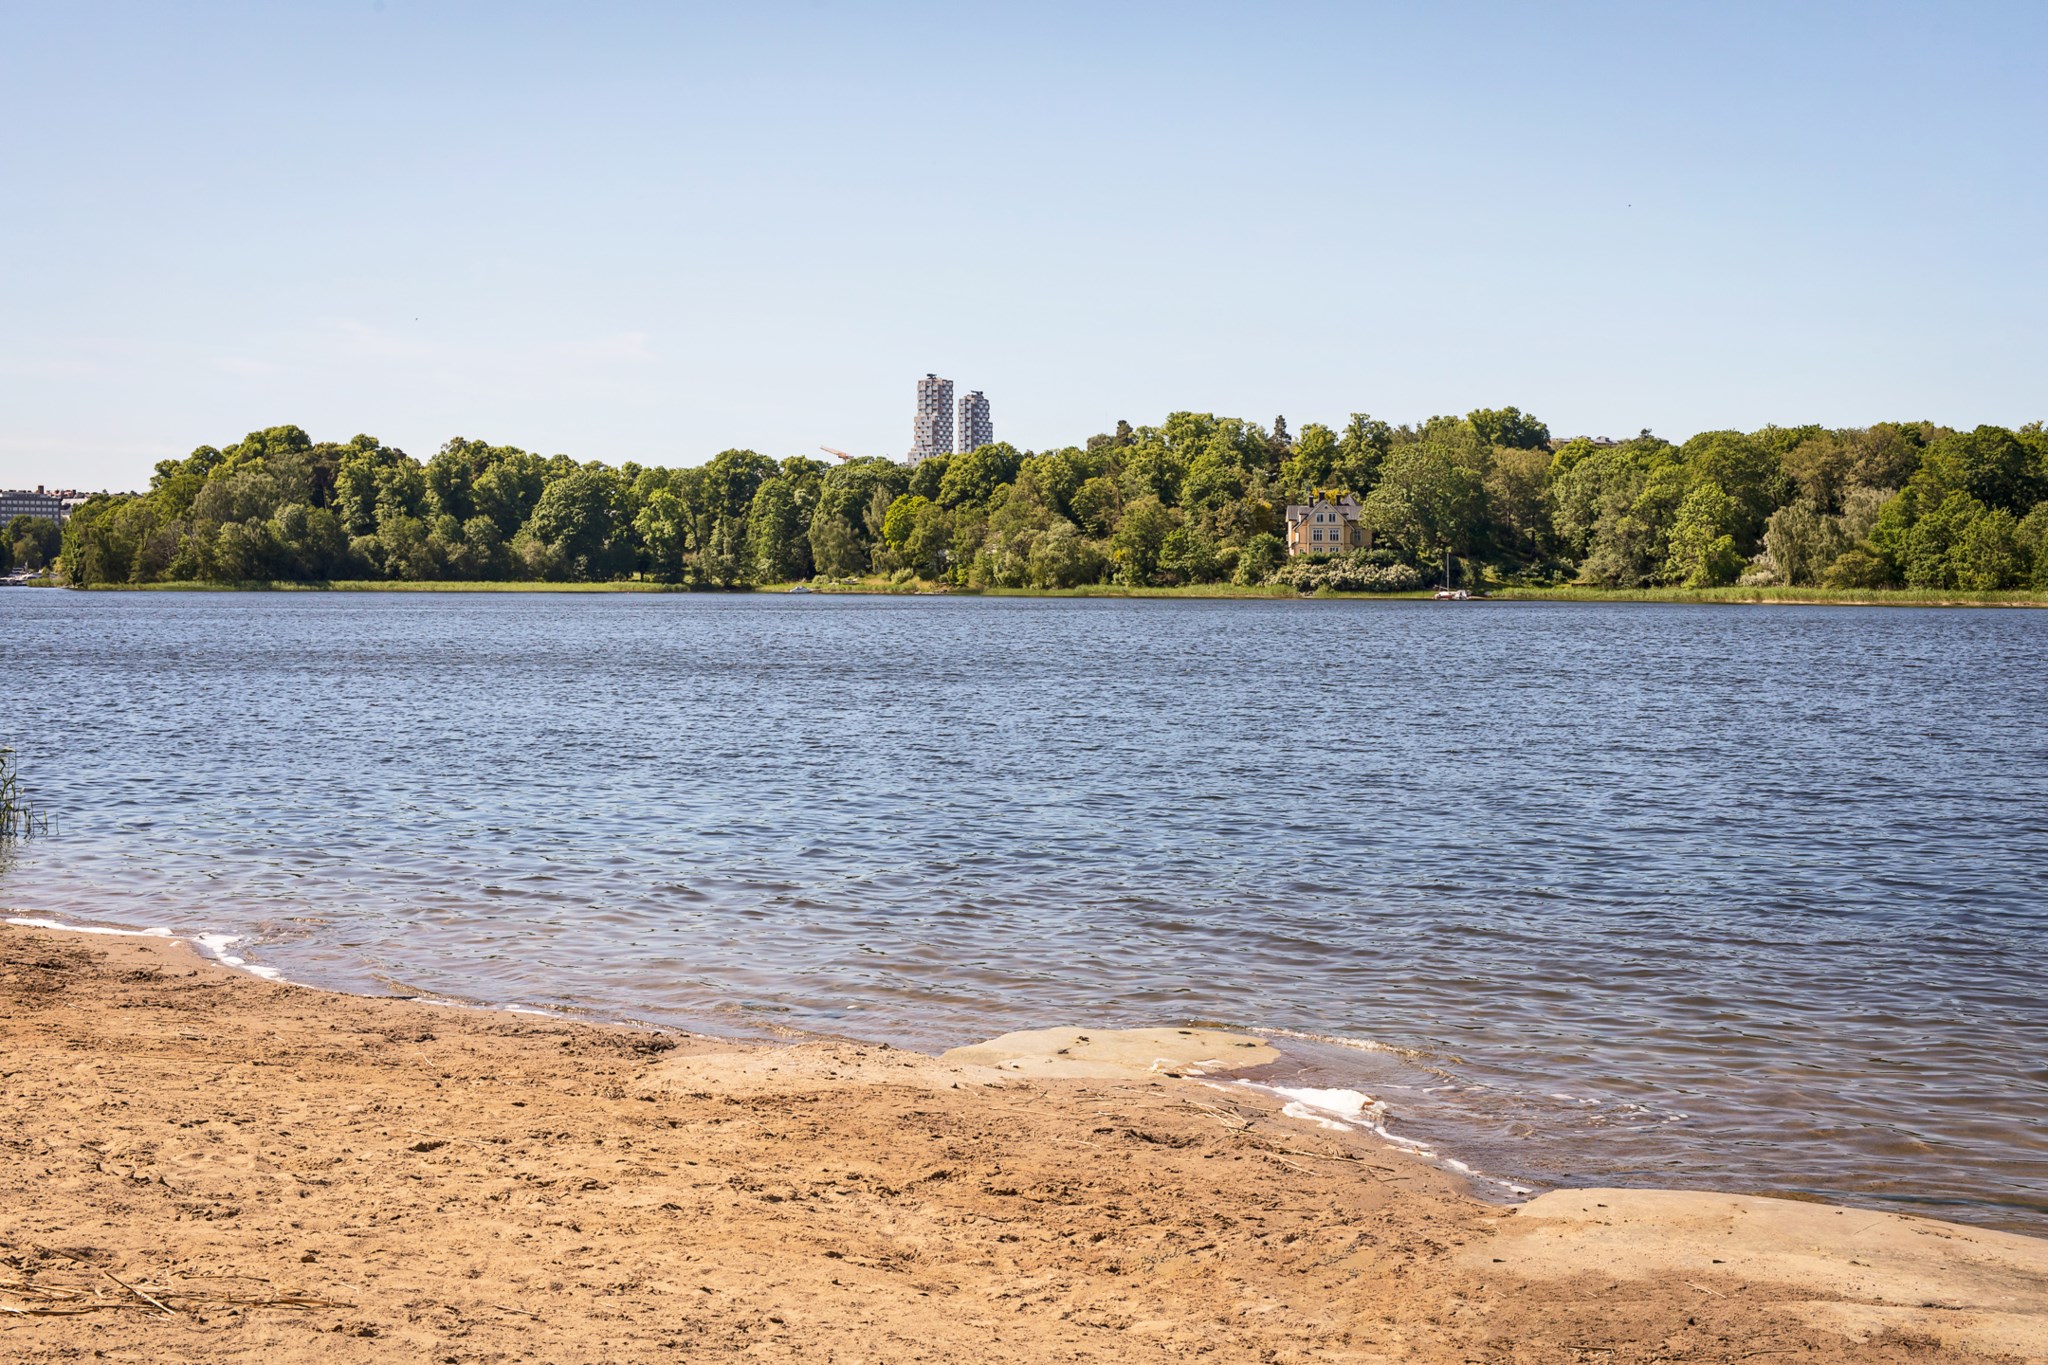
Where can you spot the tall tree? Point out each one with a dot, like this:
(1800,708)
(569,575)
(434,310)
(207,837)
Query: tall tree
(775,534)
(1510,427)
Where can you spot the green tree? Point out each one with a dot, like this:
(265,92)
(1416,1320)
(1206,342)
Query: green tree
(371,478)
(1941,542)
(902,519)
(663,525)
(577,519)
(482,553)
(244,552)
(1986,556)
(929,476)
(1258,558)
(1139,538)
(852,490)
(928,540)
(1748,472)
(971,479)
(1510,427)
(1703,553)
(730,478)
(1060,558)
(1316,461)
(776,534)
(450,478)
(30,542)
(1096,505)
(1990,464)
(1518,499)
(835,550)
(1214,480)
(309,542)
(1361,450)
(1800,542)
(508,487)
(1187,555)
(1431,495)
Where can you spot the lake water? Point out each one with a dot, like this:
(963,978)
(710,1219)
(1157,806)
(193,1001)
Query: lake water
(1744,898)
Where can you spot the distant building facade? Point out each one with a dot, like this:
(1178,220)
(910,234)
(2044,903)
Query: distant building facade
(976,430)
(1326,524)
(932,433)
(55,504)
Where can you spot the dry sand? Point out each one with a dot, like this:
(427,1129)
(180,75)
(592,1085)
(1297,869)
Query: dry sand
(203,1166)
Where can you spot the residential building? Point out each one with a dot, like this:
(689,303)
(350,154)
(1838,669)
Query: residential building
(932,432)
(976,430)
(1326,524)
(52,503)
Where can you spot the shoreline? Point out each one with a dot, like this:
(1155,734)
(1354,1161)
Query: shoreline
(212,1164)
(1207,592)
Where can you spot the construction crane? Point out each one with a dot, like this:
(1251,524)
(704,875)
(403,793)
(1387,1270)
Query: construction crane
(840,453)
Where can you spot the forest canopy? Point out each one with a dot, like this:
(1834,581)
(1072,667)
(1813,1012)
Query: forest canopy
(1196,499)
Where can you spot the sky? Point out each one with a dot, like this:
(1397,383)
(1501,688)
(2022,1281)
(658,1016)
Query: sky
(653,232)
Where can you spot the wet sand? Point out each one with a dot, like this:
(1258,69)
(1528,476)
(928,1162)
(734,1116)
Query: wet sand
(202,1165)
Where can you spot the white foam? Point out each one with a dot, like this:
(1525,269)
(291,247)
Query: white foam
(1330,1108)
(28,923)
(1357,1044)
(217,945)
(1349,1110)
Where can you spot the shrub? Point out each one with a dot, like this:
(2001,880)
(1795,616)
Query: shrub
(1351,573)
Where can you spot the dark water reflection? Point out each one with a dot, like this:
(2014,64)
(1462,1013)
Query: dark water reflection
(1734,897)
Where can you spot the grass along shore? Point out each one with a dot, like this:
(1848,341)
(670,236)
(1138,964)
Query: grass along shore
(1813,596)
(1784,596)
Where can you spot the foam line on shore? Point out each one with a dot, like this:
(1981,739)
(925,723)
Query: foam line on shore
(216,946)
(29,922)
(213,947)
(1349,1110)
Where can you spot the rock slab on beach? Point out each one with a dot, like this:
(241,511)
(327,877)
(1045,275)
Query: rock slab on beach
(1107,1054)
(1862,1272)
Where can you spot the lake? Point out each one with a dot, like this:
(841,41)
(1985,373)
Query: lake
(1734,897)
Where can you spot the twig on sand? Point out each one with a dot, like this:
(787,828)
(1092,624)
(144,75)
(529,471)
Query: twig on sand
(1243,1122)
(1332,1156)
(1704,1290)
(60,1300)
(508,1308)
(1285,1162)
(146,1298)
(141,1294)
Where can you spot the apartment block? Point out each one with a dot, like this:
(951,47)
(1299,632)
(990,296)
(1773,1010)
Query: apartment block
(55,504)
(975,428)
(932,432)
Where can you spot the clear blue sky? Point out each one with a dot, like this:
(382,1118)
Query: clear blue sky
(654,231)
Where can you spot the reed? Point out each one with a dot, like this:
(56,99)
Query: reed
(20,818)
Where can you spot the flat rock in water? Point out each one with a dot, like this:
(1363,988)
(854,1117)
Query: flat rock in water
(1113,1053)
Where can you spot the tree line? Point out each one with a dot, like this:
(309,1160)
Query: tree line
(1196,499)
(30,543)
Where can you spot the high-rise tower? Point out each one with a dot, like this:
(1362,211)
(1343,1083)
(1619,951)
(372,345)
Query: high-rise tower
(932,433)
(976,430)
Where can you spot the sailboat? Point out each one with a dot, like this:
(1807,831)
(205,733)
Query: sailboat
(1446,593)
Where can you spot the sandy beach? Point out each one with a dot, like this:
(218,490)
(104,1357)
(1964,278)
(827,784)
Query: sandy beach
(203,1165)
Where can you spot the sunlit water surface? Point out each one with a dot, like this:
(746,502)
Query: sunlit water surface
(1734,897)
